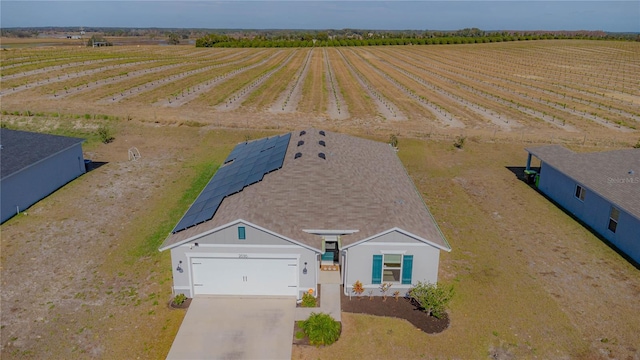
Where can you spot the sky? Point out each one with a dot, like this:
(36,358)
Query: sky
(607,15)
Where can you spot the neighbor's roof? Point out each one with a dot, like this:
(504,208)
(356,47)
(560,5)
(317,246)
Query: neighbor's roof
(21,149)
(614,175)
(361,185)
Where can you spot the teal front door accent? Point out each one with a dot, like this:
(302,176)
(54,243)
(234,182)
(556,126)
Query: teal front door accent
(376,271)
(327,256)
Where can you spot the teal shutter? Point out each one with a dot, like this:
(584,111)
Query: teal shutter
(376,273)
(407,268)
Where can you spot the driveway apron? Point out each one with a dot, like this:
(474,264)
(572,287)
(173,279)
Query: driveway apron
(236,327)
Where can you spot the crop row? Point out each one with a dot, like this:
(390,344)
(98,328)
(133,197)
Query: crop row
(560,85)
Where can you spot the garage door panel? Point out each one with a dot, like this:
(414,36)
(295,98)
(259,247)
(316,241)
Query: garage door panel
(245,276)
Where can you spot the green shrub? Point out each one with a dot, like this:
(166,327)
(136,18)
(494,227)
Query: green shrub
(637,145)
(104,133)
(179,299)
(308,300)
(459,143)
(321,329)
(433,299)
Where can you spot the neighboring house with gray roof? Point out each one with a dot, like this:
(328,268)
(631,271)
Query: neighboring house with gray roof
(602,189)
(282,209)
(34,165)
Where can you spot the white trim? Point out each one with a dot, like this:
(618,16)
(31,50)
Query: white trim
(393,252)
(330,232)
(425,241)
(373,243)
(191,246)
(239,221)
(237,255)
(181,288)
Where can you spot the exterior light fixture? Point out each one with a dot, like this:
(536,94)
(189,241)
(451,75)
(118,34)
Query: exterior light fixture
(179,268)
(304,271)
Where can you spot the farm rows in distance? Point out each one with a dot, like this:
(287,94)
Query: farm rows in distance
(568,89)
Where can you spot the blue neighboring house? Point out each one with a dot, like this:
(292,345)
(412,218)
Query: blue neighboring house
(34,165)
(602,189)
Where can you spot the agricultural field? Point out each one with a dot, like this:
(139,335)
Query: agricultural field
(568,91)
(81,276)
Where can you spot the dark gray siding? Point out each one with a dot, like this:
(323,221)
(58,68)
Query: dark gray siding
(24,188)
(593,211)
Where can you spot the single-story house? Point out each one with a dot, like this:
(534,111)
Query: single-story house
(34,165)
(279,210)
(602,189)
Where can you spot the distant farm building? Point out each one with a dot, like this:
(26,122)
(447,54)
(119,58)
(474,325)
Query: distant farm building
(34,165)
(602,189)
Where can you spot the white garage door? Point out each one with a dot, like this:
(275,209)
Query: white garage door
(245,276)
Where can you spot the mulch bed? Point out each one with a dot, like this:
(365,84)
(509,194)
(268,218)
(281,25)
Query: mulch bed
(184,305)
(403,309)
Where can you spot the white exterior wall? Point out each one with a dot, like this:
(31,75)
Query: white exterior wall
(359,260)
(225,242)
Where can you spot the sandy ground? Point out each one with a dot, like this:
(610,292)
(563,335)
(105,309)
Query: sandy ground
(238,98)
(289,99)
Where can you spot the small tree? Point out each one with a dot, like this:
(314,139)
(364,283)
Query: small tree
(433,299)
(459,143)
(358,289)
(393,140)
(173,39)
(321,329)
(104,133)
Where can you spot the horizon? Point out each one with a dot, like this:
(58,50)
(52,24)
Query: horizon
(519,15)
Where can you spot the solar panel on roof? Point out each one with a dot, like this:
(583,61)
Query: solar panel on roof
(247,164)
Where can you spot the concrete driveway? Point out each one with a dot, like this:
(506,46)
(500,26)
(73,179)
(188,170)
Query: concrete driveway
(235,327)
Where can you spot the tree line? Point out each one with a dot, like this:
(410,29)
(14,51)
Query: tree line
(221,40)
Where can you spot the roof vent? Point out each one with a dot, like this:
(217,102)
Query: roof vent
(631,172)
(321,156)
(321,142)
(322,132)
(300,143)
(297,155)
(302,132)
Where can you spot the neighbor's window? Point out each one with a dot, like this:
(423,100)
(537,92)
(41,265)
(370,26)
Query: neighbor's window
(580,192)
(392,267)
(613,219)
(241,233)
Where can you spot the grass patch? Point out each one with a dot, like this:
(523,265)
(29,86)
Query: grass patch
(204,171)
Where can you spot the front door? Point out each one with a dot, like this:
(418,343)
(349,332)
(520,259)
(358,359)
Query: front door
(331,251)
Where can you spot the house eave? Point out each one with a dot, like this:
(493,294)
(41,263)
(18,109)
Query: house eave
(235,222)
(411,235)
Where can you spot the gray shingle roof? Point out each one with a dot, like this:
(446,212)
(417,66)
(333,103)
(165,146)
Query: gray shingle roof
(21,149)
(614,175)
(360,185)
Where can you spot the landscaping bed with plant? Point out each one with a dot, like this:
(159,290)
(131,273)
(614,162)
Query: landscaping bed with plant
(319,329)
(309,300)
(397,307)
